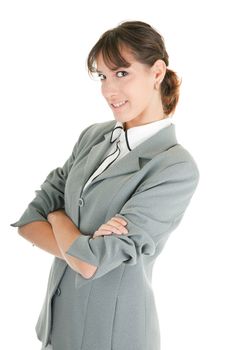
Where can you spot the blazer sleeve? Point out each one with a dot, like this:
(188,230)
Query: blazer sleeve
(152,213)
(50,197)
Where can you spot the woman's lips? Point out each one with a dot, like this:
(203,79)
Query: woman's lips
(119,107)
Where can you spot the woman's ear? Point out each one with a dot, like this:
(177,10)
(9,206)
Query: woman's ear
(159,70)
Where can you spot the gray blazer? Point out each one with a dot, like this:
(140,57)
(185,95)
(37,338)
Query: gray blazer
(150,188)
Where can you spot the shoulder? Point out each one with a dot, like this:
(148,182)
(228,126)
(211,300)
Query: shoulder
(171,166)
(180,158)
(180,154)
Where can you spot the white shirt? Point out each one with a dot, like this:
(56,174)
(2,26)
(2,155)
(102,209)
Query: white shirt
(129,139)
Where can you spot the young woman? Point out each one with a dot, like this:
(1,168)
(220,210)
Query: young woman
(107,213)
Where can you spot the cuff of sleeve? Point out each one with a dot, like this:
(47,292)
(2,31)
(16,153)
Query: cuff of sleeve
(83,248)
(28,216)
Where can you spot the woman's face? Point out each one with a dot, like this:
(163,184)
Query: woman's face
(134,87)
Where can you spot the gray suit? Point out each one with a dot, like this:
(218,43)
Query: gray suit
(150,188)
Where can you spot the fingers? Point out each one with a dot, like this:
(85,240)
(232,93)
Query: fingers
(101,233)
(120,220)
(117,225)
(114,225)
(116,228)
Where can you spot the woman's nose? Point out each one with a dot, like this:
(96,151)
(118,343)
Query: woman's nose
(110,89)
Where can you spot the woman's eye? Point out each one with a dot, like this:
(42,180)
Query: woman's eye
(99,76)
(122,71)
(102,76)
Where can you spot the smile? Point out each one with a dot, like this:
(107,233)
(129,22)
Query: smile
(117,105)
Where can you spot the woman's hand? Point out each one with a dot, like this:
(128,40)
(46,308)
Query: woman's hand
(114,225)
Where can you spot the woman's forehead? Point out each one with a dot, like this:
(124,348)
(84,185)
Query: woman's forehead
(101,64)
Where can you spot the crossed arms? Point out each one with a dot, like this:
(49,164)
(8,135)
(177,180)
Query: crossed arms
(153,211)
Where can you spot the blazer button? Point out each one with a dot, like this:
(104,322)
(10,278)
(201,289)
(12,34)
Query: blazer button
(81,202)
(58,291)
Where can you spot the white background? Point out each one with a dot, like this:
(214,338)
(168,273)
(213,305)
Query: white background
(47,99)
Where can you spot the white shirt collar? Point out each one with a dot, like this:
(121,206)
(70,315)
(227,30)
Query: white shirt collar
(137,134)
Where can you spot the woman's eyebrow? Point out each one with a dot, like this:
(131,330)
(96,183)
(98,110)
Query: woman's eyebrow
(112,69)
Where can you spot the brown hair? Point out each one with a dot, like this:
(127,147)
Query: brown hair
(147,46)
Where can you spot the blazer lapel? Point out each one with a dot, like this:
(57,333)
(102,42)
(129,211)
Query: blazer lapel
(132,161)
